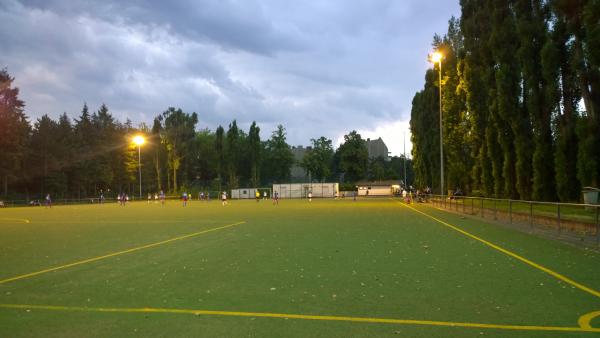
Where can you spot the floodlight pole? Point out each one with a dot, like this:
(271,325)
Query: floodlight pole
(140,168)
(405,183)
(441,136)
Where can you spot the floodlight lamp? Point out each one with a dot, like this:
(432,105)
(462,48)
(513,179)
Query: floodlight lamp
(139,140)
(436,57)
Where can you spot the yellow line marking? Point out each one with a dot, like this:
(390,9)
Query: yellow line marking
(89,260)
(585,320)
(305,317)
(23,220)
(511,254)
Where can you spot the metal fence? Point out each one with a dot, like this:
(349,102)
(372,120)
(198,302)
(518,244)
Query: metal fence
(579,222)
(95,200)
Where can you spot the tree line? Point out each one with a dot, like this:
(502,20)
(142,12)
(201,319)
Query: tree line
(521,101)
(77,158)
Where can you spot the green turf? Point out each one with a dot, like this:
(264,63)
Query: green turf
(370,258)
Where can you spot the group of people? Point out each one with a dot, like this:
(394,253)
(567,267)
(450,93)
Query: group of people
(257,195)
(122,198)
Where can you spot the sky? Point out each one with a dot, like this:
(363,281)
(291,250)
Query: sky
(319,68)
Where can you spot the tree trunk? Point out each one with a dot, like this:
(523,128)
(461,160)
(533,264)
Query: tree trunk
(174,178)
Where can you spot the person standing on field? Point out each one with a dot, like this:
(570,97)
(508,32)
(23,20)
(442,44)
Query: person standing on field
(257,194)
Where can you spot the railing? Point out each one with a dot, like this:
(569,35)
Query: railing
(579,222)
(73,201)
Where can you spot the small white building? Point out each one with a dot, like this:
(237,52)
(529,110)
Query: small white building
(245,193)
(301,190)
(249,193)
(382,188)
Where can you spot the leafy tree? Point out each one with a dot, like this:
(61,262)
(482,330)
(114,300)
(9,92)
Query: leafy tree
(531,28)
(178,131)
(476,80)
(15,130)
(158,156)
(43,158)
(562,95)
(220,151)
(206,154)
(319,159)
(425,136)
(377,169)
(232,156)
(354,157)
(254,154)
(278,156)
(84,135)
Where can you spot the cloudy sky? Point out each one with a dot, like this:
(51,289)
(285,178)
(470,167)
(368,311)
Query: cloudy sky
(320,68)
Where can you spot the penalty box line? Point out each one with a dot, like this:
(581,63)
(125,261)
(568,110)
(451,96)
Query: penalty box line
(303,317)
(94,259)
(510,253)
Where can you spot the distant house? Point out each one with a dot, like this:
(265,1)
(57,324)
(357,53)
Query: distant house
(381,188)
(297,173)
(377,148)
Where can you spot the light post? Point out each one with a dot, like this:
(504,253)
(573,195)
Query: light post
(405,183)
(436,57)
(139,140)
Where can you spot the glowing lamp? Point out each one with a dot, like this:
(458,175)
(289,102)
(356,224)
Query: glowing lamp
(139,140)
(436,57)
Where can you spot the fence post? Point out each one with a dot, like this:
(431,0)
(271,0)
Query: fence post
(482,215)
(510,210)
(464,200)
(472,211)
(530,214)
(558,216)
(495,209)
(597,225)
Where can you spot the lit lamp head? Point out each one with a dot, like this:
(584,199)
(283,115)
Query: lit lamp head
(139,140)
(436,57)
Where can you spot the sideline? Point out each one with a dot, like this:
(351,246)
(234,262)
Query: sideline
(304,317)
(509,253)
(13,220)
(89,260)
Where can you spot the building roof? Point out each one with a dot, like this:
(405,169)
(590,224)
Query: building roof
(378,183)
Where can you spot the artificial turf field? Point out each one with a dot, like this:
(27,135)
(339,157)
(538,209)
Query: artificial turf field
(329,268)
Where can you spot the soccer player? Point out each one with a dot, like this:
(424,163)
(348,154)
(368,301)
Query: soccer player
(48,201)
(310,196)
(149,197)
(257,194)
(162,197)
(184,198)
(224,198)
(276,198)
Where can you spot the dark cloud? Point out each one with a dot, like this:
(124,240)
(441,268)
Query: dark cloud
(317,67)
